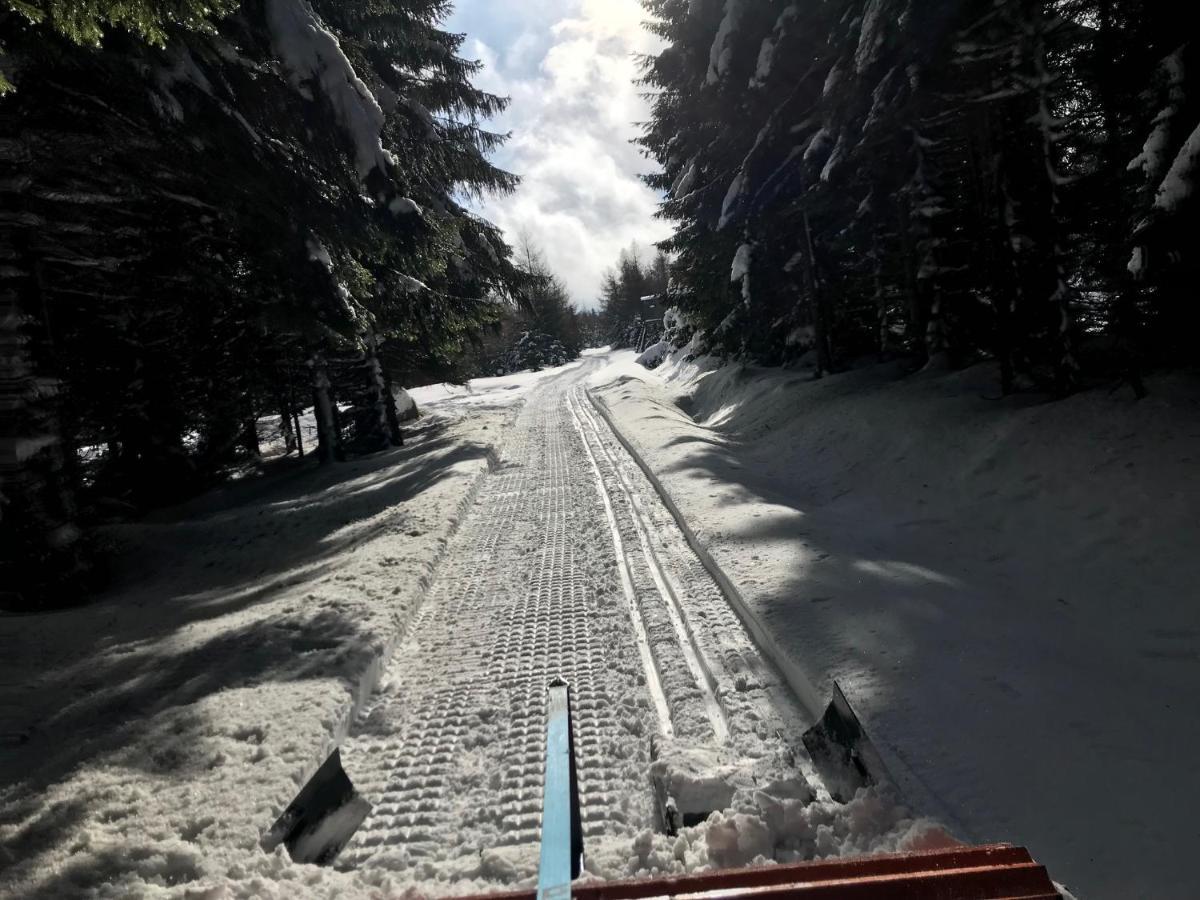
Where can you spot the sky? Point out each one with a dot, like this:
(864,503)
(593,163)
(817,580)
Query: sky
(568,66)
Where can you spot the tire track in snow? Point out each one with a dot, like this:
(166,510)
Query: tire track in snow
(764,718)
(450,749)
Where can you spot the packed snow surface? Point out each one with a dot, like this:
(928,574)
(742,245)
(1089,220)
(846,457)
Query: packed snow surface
(1005,593)
(1005,588)
(411,608)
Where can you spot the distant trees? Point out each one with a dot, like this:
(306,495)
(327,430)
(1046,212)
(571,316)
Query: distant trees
(948,181)
(544,302)
(631,293)
(247,215)
(538,326)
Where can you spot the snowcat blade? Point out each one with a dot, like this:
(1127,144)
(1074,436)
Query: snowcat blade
(323,817)
(562,830)
(841,751)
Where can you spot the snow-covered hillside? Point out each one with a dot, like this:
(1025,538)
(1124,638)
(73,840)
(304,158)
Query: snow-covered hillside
(1006,589)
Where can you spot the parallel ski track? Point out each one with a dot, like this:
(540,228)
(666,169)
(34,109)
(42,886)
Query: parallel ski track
(760,714)
(568,564)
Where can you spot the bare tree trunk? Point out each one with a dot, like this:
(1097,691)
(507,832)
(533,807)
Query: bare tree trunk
(291,410)
(328,433)
(916,308)
(250,436)
(286,431)
(881,310)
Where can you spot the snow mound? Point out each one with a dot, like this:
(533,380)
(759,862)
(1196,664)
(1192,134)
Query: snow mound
(653,355)
(406,406)
(986,578)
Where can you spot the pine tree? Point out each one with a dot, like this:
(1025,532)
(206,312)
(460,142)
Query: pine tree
(944,181)
(206,216)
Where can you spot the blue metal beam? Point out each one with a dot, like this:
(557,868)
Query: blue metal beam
(562,832)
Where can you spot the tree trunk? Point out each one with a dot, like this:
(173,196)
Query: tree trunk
(820,313)
(289,408)
(916,306)
(299,434)
(250,436)
(328,434)
(880,285)
(385,423)
(286,431)
(43,559)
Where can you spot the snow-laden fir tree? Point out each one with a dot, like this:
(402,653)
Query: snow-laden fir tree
(205,217)
(943,181)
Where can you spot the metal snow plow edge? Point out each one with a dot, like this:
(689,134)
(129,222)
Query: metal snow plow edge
(323,817)
(841,751)
(988,872)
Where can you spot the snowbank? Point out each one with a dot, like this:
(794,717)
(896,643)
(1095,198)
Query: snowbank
(406,406)
(1006,589)
(653,355)
(152,737)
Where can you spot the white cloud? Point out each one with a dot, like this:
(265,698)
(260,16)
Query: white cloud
(570,70)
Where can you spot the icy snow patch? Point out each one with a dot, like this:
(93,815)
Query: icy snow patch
(683,184)
(318,253)
(404,206)
(732,196)
(766,51)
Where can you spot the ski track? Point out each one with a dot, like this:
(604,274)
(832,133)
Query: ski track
(567,564)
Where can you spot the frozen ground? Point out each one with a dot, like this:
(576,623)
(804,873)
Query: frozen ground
(1008,590)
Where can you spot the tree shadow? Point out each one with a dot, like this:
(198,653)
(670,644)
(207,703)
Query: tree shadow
(95,672)
(226,551)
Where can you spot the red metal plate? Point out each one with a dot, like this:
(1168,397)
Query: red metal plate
(989,872)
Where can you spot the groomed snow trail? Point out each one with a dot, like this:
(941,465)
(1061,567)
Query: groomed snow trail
(569,565)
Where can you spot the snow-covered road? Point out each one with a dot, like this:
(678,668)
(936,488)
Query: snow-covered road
(154,736)
(568,564)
